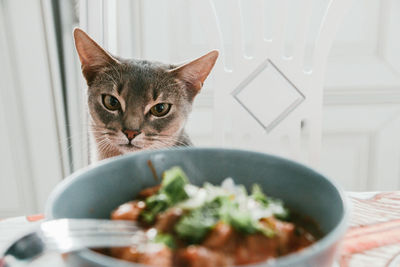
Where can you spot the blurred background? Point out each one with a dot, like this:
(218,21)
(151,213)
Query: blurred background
(43,120)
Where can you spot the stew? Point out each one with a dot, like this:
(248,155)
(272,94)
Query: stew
(209,226)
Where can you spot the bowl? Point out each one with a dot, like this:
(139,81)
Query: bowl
(95,191)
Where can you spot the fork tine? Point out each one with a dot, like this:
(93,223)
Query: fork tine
(71,234)
(78,225)
(77,243)
(67,235)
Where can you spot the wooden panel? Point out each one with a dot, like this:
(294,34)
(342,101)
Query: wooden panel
(344,158)
(360,72)
(365,54)
(361,146)
(389,37)
(360,27)
(385,169)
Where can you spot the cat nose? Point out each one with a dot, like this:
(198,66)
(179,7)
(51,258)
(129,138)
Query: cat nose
(130,134)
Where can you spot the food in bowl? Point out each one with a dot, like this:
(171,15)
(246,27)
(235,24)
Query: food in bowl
(210,225)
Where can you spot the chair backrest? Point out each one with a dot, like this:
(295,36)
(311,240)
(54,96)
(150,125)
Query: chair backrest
(268,83)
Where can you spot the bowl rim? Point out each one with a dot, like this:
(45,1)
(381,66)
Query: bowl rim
(335,235)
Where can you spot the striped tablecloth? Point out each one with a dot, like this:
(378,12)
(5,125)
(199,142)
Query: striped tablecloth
(373,238)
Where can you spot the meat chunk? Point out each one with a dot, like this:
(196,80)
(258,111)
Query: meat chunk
(285,232)
(153,255)
(148,192)
(128,211)
(158,256)
(166,221)
(300,239)
(255,248)
(199,256)
(221,238)
(126,253)
(258,247)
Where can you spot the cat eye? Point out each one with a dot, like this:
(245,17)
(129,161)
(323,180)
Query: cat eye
(111,102)
(160,109)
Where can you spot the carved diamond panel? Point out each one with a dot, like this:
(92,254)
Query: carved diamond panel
(268,95)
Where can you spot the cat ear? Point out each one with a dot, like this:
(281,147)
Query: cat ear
(93,58)
(195,72)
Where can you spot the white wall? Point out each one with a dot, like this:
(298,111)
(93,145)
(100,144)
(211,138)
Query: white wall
(30,152)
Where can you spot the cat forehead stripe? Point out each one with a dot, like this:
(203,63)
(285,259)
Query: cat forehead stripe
(120,86)
(152,103)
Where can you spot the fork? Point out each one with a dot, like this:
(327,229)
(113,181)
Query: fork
(67,235)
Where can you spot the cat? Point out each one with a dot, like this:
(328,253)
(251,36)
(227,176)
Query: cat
(138,105)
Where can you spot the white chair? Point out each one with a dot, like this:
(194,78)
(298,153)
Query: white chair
(270,100)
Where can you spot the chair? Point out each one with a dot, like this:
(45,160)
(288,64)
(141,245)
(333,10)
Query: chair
(268,91)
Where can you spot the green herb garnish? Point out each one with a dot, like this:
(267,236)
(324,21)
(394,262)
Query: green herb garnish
(171,192)
(258,195)
(165,239)
(194,226)
(173,184)
(220,205)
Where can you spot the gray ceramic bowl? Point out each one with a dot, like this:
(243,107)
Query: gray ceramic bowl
(94,192)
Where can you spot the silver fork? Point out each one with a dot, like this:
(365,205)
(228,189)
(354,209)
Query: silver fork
(67,235)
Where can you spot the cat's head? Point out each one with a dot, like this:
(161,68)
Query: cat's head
(137,104)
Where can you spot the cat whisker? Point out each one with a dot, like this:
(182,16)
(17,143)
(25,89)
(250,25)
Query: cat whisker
(101,132)
(78,138)
(168,139)
(101,127)
(83,146)
(104,145)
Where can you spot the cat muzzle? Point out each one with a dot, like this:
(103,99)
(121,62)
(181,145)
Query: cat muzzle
(130,134)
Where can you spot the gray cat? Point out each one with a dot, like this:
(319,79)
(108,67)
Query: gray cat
(136,104)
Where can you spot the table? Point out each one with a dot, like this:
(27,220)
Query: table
(373,238)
